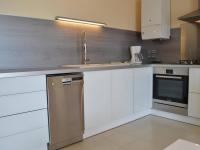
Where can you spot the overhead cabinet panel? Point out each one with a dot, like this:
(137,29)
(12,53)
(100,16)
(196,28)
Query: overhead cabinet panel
(151,14)
(155,19)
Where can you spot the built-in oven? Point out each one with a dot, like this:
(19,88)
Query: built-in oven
(170,86)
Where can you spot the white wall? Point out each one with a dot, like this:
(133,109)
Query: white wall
(123,14)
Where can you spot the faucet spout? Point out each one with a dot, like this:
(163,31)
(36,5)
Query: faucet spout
(84,40)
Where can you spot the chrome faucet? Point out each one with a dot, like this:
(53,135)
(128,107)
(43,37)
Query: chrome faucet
(84,48)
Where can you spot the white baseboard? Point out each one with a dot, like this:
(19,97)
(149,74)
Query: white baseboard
(114,124)
(176,117)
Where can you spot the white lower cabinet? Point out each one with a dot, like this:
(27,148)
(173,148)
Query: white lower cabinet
(112,97)
(23,113)
(20,103)
(16,124)
(122,93)
(194,93)
(143,89)
(194,105)
(31,140)
(97,98)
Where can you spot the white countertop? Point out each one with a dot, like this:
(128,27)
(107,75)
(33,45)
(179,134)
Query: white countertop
(4,73)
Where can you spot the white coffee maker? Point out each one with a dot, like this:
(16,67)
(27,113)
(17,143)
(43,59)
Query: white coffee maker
(136,56)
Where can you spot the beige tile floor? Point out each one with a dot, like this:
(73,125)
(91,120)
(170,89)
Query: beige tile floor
(149,133)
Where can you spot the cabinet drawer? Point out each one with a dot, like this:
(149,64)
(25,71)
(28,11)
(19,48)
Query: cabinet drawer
(22,84)
(19,103)
(194,80)
(194,105)
(32,140)
(23,122)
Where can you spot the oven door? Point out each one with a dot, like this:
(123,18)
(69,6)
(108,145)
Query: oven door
(171,90)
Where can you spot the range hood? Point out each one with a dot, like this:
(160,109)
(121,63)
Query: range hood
(193,17)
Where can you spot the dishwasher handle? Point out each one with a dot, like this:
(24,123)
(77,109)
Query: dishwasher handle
(69,81)
(66,81)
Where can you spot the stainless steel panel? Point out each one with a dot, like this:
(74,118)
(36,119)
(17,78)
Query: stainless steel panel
(168,77)
(176,71)
(65,110)
(171,109)
(170,103)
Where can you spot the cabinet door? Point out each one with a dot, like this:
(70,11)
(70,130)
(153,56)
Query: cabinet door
(20,103)
(143,83)
(194,105)
(97,98)
(20,123)
(151,12)
(194,80)
(19,85)
(122,93)
(30,140)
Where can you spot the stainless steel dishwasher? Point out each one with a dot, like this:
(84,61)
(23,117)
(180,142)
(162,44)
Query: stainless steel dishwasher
(65,109)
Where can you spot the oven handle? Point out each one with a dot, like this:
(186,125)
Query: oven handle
(169,77)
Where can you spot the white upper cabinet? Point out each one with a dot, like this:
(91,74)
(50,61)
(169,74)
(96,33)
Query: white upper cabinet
(155,19)
(143,85)
(122,93)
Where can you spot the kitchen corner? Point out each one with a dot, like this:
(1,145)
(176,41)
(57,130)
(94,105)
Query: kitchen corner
(99,75)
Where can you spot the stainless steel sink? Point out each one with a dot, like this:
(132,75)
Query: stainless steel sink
(97,65)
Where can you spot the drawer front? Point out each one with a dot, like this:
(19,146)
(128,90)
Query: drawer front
(194,105)
(23,122)
(22,84)
(32,140)
(19,103)
(194,80)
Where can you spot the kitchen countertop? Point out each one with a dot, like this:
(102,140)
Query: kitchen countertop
(5,73)
(175,65)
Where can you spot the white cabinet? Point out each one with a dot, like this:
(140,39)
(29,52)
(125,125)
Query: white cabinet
(97,98)
(194,80)
(194,105)
(26,84)
(143,85)
(23,123)
(194,93)
(122,93)
(155,19)
(32,140)
(23,113)
(20,103)
(112,97)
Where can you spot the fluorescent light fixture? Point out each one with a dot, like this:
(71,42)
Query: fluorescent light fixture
(79,21)
(198,21)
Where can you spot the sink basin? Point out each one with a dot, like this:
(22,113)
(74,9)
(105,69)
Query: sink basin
(97,65)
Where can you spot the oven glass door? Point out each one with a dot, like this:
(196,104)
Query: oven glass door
(171,88)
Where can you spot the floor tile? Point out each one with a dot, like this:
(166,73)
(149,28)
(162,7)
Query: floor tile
(148,133)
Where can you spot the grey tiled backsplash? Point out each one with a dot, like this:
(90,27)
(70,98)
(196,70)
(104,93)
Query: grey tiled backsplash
(32,43)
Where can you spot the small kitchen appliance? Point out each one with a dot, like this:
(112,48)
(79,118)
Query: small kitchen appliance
(136,56)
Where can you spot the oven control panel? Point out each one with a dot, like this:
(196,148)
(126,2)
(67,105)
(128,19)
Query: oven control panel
(169,71)
(182,71)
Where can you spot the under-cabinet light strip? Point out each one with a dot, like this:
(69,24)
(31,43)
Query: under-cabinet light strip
(79,21)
